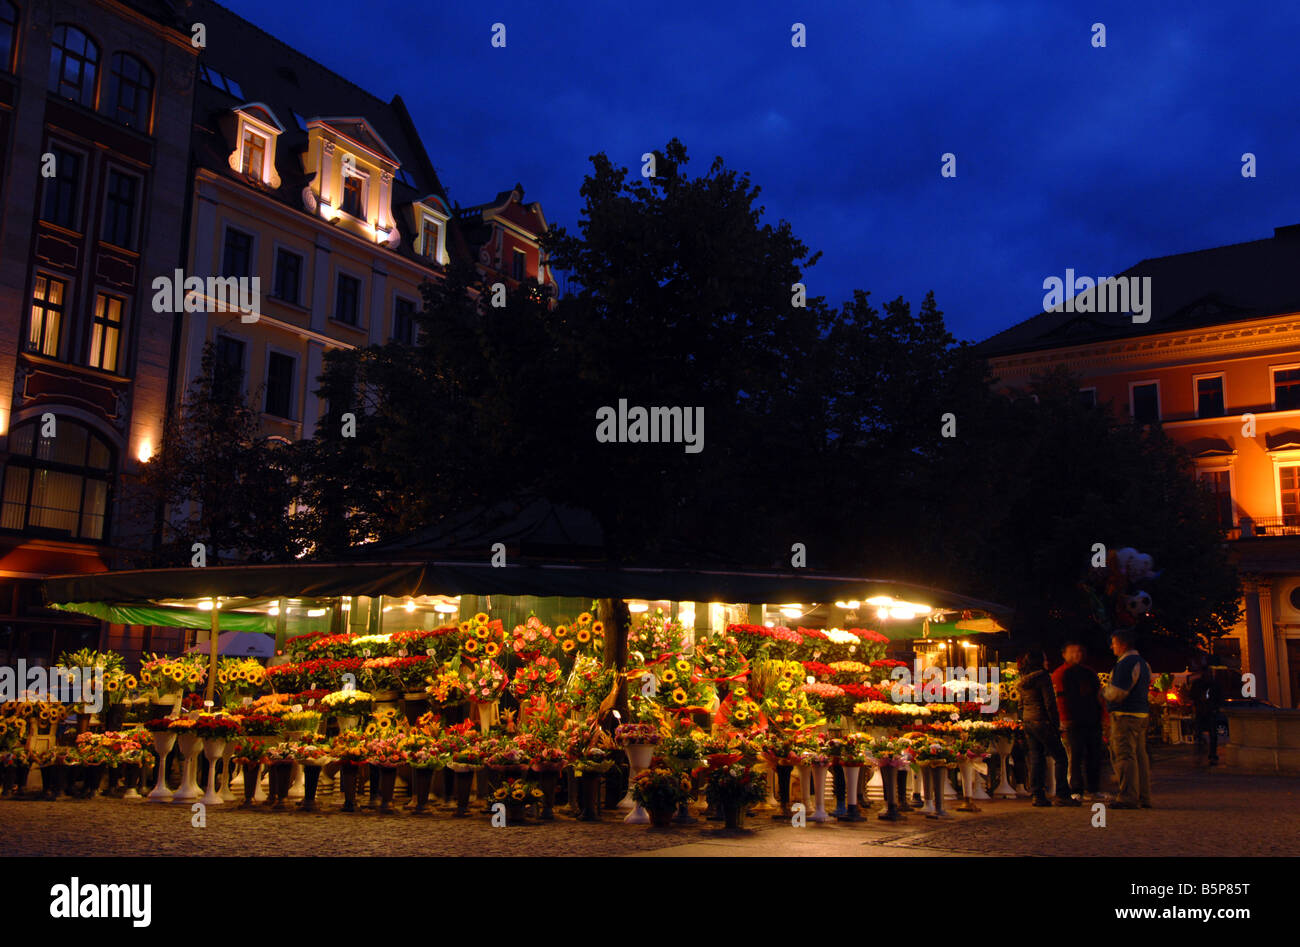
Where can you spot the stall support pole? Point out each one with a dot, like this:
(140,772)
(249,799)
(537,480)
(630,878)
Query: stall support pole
(212,652)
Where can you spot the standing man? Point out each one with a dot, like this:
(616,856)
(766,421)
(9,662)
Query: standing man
(1126,697)
(1040,720)
(1078,698)
(1207,698)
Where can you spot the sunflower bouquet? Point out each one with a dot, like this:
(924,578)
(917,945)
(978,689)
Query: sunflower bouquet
(740,710)
(788,708)
(238,677)
(588,634)
(170,676)
(517,792)
(385,722)
(481,637)
(681,686)
(12,732)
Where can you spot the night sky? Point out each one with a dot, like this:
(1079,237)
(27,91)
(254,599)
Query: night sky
(1067,156)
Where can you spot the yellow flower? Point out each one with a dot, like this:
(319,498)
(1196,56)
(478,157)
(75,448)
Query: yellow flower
(481,633)
(370,729)
(740,692)
(679,696)
(517,794)
(538,794)
(481,618)
(471,645)
(787,673)
(491,649)
(499,794)
(742,713)
(561,631)
(783,685)
(598,628)
(684,666)
(195,677)
(464,626)
(568,645)
(111,685)
(145,678)
(584,618)
(584,635)
(669,676)
(791,703)
(798,720)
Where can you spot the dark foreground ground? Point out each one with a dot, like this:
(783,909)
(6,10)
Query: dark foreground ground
(1199,812)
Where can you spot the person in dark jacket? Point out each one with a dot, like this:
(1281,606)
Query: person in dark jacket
(1041,722)
(1207,698)
(1078,699)
(1126,698)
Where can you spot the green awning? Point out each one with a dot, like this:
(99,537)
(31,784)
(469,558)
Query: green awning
(169,617)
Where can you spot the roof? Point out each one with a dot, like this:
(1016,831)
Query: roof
(414,577)
(1202,288)
(298,89)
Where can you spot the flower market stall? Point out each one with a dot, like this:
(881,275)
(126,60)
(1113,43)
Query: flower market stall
(531,692)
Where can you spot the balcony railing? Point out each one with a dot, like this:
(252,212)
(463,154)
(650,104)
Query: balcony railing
(1262,527)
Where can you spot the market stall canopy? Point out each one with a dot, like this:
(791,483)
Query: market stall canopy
(413,578)
(167,616)
(239,644)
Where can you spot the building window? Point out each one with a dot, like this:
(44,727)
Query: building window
(8,34)
(1209,397)
(237,257)
(354,195)
(59,484)
(403,320)
(1288,478)
(73,61)
(1088,397)
(1219,484)
(279,385)
(228,369)
(47,316)
(119,210)
(62,190)
(288,275)
(1146,402)
(429,240)
(106,333)
(130,91)
(519,265)
(1286,389)
(347,299)
(253,161)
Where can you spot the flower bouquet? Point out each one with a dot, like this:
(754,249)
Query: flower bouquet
(301,721)
(481,638)
(732,789)
(644,734)
(484,680)
(349,703)
(217,726)
(537,676)
(517,793)
(238,677)
(660,791)
(260,725)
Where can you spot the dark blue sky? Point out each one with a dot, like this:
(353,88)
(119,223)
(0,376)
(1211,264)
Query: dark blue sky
(1067,156)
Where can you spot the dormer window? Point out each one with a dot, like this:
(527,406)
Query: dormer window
(430,219)
(255,132)
(430,239)
(354,193)
(253,158)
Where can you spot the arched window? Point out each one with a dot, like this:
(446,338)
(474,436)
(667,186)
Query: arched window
(57,486)
(74,58)
(8,35)
(130,91)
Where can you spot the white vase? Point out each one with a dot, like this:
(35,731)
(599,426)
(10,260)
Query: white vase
(875,788)
(967,767)
(487,714)
(296,790)
(350,722)
(189,745)
(927,790)
(949,792)
(1005,790)
(227,795)
(819,793)
(162,744)
(638,759)
(213,749)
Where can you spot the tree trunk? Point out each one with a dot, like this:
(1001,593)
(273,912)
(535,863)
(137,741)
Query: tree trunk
(614,615)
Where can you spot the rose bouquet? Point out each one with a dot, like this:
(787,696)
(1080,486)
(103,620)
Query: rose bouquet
(539,675)
(636,733)
(386,751)
(217,726)
(484,680)
(259,725)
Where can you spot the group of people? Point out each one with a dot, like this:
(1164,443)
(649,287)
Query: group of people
(1063,713)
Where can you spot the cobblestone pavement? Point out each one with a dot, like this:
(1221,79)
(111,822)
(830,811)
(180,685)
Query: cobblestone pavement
(1199,812)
